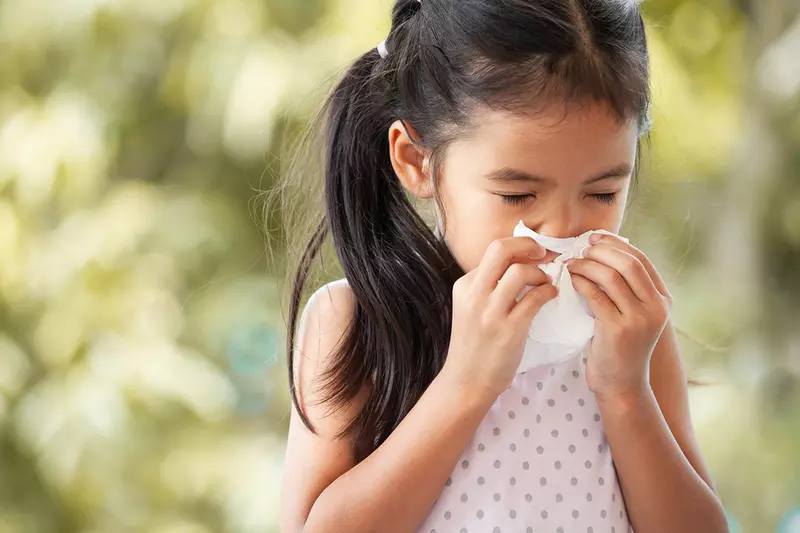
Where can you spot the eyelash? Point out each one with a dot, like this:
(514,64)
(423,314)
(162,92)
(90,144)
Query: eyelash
(519,199)
(609,198)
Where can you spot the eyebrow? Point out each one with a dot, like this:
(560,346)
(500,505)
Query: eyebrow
(513,175)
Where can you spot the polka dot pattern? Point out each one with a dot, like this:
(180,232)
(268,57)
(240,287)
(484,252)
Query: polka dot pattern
(539,461)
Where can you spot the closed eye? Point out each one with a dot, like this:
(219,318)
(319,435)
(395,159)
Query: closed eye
(606,198)
(516,199)
(519,199)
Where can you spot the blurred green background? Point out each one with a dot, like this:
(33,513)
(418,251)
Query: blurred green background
(142,373)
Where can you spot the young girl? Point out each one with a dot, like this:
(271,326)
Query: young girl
(409,413)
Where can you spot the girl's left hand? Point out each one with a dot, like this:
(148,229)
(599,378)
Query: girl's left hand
(632,307)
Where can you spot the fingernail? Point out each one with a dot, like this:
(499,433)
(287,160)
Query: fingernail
(569,261)
(594,239)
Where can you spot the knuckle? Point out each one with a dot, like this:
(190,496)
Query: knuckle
(637,255)
(669,301)
(538,297)
(619,329)
(661,316)
(598,295)
(461,285)
(633,266)
(504,334)
(462,289)
(616,278)
(546,291)
(516,271)
(641,322)
(487,320)
(496,249)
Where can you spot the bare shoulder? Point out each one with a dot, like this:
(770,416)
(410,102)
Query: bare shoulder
(328,312)
(325,320)
(315,460)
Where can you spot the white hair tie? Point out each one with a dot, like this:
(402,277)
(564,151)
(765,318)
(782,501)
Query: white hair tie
(382,50)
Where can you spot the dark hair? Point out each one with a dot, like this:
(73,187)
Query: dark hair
(446,58)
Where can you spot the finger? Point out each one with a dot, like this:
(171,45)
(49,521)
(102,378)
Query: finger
(615,241)
(532,302)
(610,280)
(517,277)
(601,305)
(629,266)
(501,254)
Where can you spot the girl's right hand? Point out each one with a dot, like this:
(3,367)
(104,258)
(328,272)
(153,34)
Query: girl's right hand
(489,327)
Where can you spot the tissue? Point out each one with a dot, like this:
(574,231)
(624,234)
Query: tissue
(564,325)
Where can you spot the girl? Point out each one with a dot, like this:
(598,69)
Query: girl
(408,412)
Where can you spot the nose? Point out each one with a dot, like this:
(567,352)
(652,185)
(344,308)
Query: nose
(561,222)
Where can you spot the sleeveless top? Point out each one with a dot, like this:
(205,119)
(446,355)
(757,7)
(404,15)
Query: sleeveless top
(538,463)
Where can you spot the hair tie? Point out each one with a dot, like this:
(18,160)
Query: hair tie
(382,50)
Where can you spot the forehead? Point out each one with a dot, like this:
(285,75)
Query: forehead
(562,143)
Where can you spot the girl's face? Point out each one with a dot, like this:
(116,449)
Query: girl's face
(561,174)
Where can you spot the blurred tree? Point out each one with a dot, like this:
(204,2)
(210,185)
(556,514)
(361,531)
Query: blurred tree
(139,314)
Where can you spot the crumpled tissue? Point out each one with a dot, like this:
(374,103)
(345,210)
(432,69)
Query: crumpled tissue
(564,325)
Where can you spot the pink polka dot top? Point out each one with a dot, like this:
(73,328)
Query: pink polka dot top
(539,462)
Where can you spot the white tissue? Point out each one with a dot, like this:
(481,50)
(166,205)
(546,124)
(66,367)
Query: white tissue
(565,325)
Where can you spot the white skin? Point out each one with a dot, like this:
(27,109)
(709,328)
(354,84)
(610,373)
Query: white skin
(634,367)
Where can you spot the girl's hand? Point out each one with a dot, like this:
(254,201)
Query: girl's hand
(490,327)
(632,307)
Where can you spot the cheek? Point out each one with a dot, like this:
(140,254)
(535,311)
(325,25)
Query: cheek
(469,247)
(600,216)
(473,220)
(616,214)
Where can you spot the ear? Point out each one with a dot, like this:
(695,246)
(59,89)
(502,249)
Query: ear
(409,161)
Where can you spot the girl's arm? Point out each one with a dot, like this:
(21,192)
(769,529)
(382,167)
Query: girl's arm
(640,386)
(393,490)
(665,483)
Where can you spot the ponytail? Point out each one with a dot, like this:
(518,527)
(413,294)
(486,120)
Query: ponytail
(401,275)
